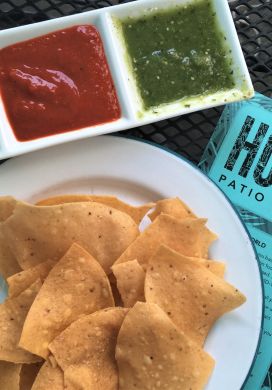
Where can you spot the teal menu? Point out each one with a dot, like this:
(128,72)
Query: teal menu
(238,159)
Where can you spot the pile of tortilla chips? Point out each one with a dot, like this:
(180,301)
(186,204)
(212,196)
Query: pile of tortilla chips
(95,303)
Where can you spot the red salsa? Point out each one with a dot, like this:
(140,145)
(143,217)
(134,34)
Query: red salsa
(57,83)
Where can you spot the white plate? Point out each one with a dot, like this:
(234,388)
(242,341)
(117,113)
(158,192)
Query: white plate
(138,172)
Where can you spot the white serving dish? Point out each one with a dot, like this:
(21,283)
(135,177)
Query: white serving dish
(137,172)
(131,106)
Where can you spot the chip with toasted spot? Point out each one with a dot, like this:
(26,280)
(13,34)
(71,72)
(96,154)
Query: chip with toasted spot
(153,353)
(188,236)
(192,296)
(35,234)
(21,280)
(10,376)
(136,213)
(49,378)
(75,286)
(86,349)
(172,206)
(12,316)
(130,278)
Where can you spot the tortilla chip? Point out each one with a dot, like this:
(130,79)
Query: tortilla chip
(10,376)
(188,236)
(136,213)
(36,234)
(76,285)
(172,206)
(20,281)
(7,205)
(49,378)
(8,262)
(12,316)
(86,349)
(28,375)
(130,278)
(152,353)
(192,296)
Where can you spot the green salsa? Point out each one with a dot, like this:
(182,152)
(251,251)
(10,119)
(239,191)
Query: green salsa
(178,53)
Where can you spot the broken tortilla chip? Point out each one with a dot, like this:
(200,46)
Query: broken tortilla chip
(28,375)
(21,280)
(172,206)
(86,349)
(130,278)
(49,378)
(136,213)
(10,376)
(151,350)
(76,285)
(36,234)
(12,316)
(188,236)
(192,296)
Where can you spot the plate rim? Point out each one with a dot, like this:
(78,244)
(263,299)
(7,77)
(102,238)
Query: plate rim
(213,184)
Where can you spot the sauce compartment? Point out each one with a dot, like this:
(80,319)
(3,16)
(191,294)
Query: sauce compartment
(56,83)
(220,13)
(133,112)
(9,144)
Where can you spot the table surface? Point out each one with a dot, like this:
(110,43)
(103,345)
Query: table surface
(187,135)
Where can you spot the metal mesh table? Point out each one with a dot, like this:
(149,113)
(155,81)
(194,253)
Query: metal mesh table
(189,134)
